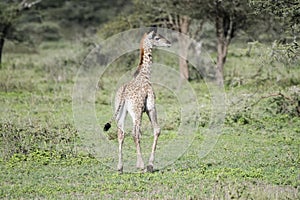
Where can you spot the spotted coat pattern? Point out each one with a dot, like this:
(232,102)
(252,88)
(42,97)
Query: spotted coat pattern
(137,96)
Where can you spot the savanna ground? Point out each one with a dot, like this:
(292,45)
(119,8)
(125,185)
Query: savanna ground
(256,157)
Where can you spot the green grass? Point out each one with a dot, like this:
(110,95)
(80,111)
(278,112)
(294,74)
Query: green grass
(256,157)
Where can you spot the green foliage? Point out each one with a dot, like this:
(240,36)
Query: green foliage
(117,25)
(82,13)
(46,157)
(47,31)
(8,13)
(256,157)
(48,21)
(287,14)
(281,104)
(286,52)
(25,140)
(283,9)
(138,16)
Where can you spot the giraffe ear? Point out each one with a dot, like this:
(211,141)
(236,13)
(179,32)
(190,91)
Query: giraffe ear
(154,29)
(152,32)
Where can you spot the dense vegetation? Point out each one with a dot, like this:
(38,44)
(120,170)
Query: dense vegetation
(256,156)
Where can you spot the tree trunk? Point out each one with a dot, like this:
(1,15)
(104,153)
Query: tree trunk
(184,23)
(3,34)
(14,12)
(1,48)
(221,49)
(224,30)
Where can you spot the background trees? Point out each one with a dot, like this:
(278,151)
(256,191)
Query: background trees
(10,12)
(33,22)
(228,18)
(40,140)
(54,20)
(287,16)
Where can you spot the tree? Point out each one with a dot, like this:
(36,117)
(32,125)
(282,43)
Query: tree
(287,14)
(165,15)
(10,12)
(228,17)
(184,23)
(178,15)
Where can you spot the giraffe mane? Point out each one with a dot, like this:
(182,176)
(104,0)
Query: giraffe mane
(141,55)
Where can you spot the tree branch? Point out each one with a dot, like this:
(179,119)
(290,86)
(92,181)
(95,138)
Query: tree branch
(230,30)
(271,95)
(25,5)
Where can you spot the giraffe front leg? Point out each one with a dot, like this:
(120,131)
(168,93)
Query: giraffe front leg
(121,140)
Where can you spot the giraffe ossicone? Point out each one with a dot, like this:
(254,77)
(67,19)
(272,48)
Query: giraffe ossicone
(136,97)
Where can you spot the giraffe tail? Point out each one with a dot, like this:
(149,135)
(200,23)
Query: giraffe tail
(107,126)
(121,104)
(115,116)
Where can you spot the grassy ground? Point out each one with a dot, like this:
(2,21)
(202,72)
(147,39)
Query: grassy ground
(256,157)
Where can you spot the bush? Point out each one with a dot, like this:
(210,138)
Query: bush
(26,139)
(39,32)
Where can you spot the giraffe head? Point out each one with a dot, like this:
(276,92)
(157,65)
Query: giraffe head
(155,39)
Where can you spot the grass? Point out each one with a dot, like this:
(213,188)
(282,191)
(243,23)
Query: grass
(256,157)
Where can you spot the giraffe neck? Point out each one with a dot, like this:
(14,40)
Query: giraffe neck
(144,68)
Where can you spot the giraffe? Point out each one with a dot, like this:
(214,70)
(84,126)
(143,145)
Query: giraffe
(136,97)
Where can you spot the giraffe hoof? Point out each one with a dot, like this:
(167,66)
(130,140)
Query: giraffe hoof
(150,168)
(120,170)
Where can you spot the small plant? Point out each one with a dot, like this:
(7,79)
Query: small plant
(23,141)
(283,104)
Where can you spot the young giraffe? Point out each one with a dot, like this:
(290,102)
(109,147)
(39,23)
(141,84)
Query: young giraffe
(136,97)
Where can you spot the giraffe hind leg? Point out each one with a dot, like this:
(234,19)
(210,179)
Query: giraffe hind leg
(136,137)
(121,135)
(136,115)
(121,141)
(156,132)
